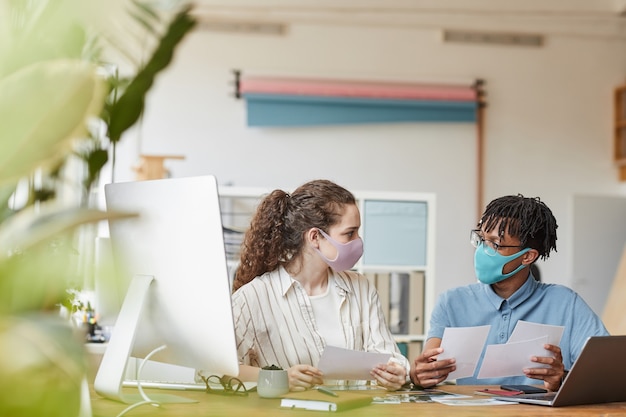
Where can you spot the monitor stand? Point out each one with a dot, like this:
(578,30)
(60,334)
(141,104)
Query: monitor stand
(112,370)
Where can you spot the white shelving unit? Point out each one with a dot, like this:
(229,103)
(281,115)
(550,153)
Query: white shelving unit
(237,205)
(398,230)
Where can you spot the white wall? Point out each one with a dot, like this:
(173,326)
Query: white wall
(599,237)
(548,126)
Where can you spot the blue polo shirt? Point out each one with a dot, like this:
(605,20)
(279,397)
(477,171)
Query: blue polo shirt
(478,305)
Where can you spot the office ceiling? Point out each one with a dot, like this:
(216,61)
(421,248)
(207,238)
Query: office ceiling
(605,18)
(562,7)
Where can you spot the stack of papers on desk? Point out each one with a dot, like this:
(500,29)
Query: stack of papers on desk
(315,400)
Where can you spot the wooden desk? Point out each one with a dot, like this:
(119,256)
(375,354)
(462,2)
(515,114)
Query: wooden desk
(254,406)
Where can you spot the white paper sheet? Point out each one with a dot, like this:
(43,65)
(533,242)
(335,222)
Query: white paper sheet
(526,330)
(510,359)
(339,363)
(465,344)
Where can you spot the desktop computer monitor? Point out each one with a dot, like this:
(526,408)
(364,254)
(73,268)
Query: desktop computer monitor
(171,261)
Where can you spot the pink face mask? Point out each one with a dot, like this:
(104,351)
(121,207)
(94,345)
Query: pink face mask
(347,253)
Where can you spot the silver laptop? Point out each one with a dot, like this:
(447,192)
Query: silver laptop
(597,376)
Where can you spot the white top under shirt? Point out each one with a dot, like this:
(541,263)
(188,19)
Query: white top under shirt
(326,312)
(275,324)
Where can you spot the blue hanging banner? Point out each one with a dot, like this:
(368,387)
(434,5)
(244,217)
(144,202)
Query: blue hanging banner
(266,110)
(275,101)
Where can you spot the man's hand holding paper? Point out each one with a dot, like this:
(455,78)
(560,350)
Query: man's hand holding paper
(465,344)
(510,359)
(532,350)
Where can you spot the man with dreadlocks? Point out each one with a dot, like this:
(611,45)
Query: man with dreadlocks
(513,232)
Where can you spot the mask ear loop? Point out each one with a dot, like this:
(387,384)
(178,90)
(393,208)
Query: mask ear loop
(519,268)
(329,240)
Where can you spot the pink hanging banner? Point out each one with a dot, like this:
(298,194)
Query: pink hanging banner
(363,89)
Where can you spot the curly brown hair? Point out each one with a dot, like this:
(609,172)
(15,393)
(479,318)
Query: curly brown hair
(276,233)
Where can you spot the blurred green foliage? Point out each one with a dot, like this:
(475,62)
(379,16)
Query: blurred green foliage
(57,103)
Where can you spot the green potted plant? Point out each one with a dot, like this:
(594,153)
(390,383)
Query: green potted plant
(51,91)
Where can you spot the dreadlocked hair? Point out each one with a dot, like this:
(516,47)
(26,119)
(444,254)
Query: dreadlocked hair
(527,218)
(276,233)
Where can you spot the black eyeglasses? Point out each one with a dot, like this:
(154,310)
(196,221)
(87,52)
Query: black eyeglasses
(490,247)
(229,385)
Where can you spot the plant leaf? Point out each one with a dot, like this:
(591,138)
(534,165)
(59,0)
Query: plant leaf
(126,111)
(6,191)
(95,160)
(144,23)
(32,227)
(37,258)
(47,105)
(42,368)
(40,31)
(146,9)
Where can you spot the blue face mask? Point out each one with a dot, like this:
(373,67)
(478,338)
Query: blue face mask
(489,268)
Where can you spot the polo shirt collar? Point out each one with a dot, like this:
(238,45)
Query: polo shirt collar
(524,292)
(518,297)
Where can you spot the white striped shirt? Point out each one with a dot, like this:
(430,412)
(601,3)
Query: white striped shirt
(274,321)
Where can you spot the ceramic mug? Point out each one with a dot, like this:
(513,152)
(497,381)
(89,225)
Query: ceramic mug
(272,383)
